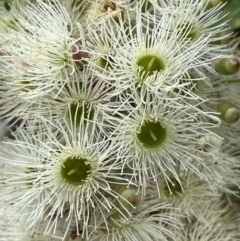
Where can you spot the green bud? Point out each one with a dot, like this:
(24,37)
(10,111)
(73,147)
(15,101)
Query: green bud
(228,112)
(227,66)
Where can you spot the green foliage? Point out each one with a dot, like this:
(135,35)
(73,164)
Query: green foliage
(233,7)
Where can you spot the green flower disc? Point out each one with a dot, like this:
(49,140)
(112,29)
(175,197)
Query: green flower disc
(78,110)
(150,63)
(75,170)
(152,134)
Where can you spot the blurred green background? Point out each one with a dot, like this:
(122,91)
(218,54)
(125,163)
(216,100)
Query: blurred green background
(233,7)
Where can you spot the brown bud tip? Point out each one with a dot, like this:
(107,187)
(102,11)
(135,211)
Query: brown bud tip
(232,115)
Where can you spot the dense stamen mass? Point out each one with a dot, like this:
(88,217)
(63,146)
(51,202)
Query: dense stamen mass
(145,5)
(152,134)
(172,187)
(75,170)
(188,30)
(106,62)
(79,110)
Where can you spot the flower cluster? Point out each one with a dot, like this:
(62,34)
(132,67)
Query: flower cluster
(120,119)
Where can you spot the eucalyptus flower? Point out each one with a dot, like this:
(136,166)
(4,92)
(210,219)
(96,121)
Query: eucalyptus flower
(39,55)
(143,53)
(157,134)
(62,176)
(122,121)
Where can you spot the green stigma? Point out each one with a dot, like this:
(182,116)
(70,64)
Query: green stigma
(173,187)
(75,170)
(150,64)
(79,110)
(152,134)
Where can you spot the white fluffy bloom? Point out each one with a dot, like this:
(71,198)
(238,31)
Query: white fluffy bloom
(84,97)
(61,176)
(39,55)
(12,229)
(212,229)
(9,12)
(193,21)
(157,134)
(144,53)
(220,171)
(188,194)
(148,223)
(105,11)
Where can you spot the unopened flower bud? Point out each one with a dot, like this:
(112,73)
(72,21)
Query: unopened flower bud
(228,66)
(228,112)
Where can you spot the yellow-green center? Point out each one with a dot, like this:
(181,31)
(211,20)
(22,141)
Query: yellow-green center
(75,170)
(150,64)
(152,134)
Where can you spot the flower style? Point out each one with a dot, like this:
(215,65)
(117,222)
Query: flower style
(67,175)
